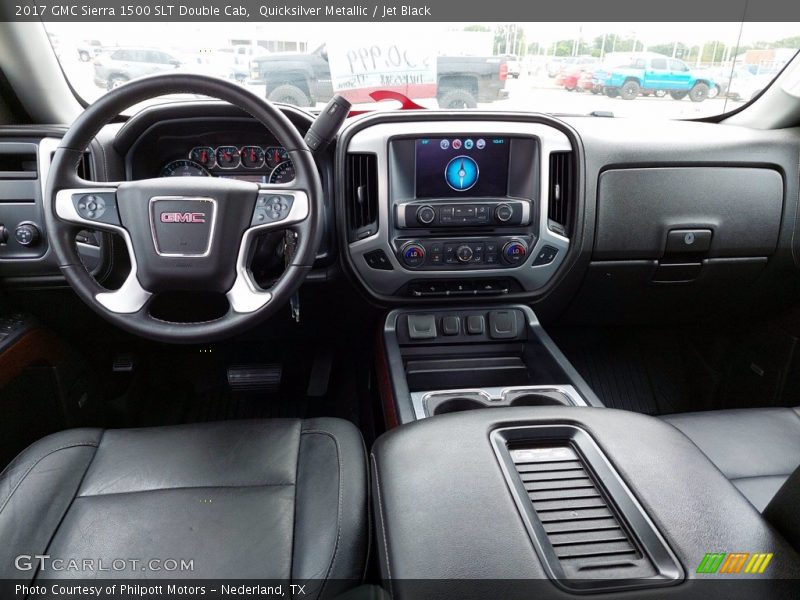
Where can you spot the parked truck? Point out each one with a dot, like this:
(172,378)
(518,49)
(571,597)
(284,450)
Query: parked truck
(304,79)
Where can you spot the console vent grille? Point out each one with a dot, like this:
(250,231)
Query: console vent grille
(361,195)
(561,193)
(84,169)
(580,524)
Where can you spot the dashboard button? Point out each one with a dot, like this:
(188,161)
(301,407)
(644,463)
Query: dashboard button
(475,324)
(514,252)
(451,325)
(426,215)
(27,234)
(503,213)
(413,254)
(464,253)
(545,256)
(377,259)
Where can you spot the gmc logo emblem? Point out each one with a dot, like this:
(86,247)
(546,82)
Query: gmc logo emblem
(183,217)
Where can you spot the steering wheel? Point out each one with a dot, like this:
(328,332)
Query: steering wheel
(183,233)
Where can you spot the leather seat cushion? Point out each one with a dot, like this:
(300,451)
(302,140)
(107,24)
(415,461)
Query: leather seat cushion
(282,499)
(757,449)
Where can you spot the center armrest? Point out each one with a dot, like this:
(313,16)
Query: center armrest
(448,505)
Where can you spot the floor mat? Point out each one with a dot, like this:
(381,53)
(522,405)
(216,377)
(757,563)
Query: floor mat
(651,372)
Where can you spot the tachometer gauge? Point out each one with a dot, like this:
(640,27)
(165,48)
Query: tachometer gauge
(184,168)
(252,157)
(275,156)
(227,157)
(203,155)
(283,173)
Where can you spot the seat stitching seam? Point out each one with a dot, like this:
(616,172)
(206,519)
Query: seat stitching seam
(339,508)
(759,476)
(383,524)
(187,487)
(37,461)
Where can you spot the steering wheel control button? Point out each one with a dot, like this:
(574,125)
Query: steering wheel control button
(426,215)
(271,208)
(101,206)
(422,327)
(688,241)
(413,255)
(27,234)
(545,256)
(514,252)
(377,259)
(503,213)
(451,325)
(502,324)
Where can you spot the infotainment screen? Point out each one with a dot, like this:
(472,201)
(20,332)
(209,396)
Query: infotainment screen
(468,166)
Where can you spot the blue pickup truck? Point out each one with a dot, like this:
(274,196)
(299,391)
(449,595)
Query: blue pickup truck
(654,74)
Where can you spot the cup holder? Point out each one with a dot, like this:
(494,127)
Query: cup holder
(541,399)
(451,405)
(440,403)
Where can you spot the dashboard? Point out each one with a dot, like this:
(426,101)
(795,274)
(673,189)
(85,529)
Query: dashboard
(608,219)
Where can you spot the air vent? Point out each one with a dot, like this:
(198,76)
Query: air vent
(18,161)
(361,195)
(84,167)
(582,528)
(590,532)
(561,192)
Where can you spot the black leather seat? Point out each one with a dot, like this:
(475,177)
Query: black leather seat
(270,499)
(757,449)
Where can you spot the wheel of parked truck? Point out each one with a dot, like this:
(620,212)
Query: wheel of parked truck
(699,92)
(455,99)
(115,81)
(630,90)
(713,92)
(84,56)
(612,92)
(678,95)
(660,93)
(289,94)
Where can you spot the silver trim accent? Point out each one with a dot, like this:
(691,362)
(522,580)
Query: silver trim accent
(210,243)
(400,213)
(245,296)
(375,139)
(131,296)
(492,394)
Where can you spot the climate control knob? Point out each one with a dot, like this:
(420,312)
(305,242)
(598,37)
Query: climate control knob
(426,215)
(413,254)
(514,252)
(503,213)
(464,253)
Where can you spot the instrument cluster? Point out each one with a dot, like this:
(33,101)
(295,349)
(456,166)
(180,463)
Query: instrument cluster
(263,164)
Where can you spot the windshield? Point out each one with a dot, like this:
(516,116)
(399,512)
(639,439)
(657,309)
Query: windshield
(659,70)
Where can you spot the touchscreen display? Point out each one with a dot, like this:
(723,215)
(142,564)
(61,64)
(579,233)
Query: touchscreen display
(462,166)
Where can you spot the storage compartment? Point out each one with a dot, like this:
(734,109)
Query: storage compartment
(452,360)
(637,208)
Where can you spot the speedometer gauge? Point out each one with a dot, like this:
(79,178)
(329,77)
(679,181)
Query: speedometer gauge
(184,168)
(227,157)
(283,173)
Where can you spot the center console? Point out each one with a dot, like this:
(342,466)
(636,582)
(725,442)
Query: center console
(452,359)
(443,207)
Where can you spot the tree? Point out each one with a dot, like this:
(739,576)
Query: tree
(509,39)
